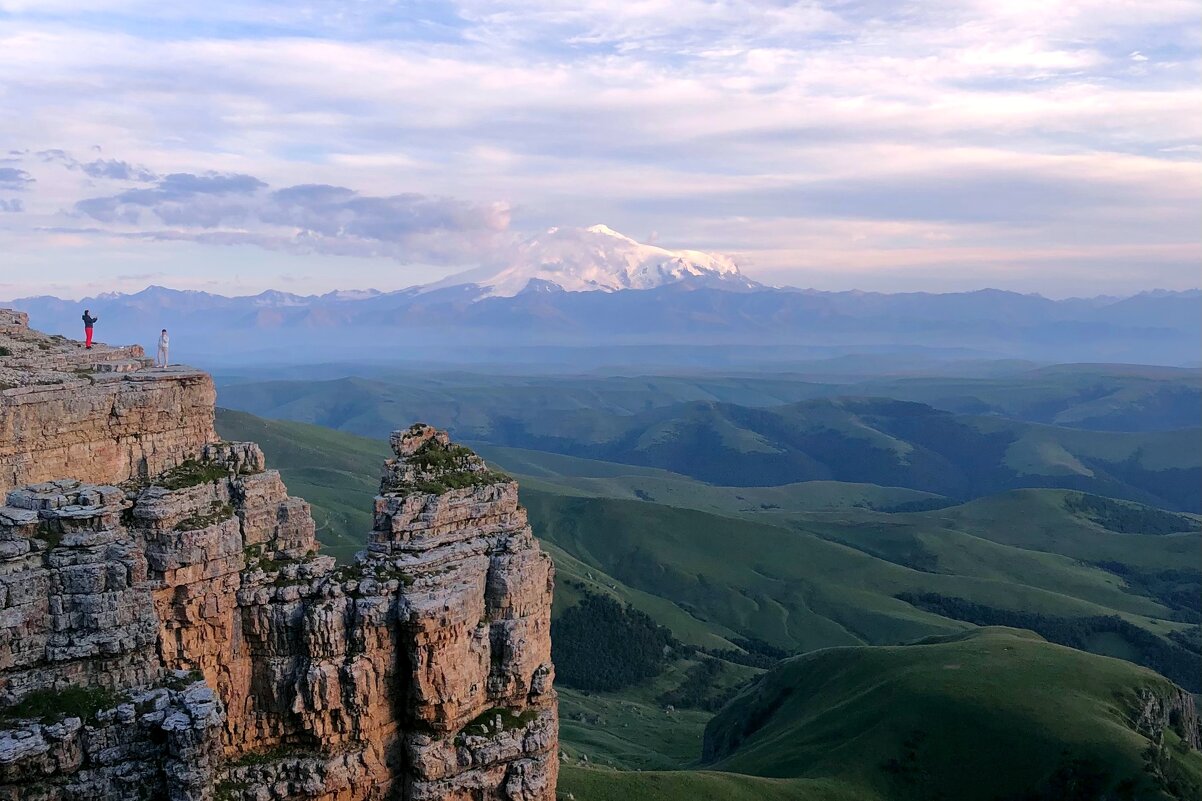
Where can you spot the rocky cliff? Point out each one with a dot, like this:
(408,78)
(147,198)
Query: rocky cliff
(96,415)
(168,628)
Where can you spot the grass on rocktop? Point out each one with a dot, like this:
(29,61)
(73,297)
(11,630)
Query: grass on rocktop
(191,473)
(51,706)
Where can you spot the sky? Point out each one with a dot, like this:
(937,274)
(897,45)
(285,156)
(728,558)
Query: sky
(235,146)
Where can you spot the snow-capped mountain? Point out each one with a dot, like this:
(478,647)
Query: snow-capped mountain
(594,287)
(598,258)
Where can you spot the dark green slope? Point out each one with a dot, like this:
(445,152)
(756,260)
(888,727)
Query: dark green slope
(727,430)
(1098,397)
(800,588)
(795,579)
(992,714)
(580,782)
(1089,396)
(878,441)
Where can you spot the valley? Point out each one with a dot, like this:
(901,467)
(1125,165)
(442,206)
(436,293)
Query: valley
(738,431)
(741,542)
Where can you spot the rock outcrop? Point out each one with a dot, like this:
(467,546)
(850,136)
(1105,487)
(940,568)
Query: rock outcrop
(1174,710)
(94,414)
(168,628)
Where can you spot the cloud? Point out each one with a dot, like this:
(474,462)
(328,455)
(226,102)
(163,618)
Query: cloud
(239,209)
(1078,119)
(14,178)
(205,200)
(113,169)
(117,170)
(57,155)
(335,211)
(12,205)
(183,185)
(969,187)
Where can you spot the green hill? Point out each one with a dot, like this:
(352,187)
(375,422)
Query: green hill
(992,714)
(1097,397)
(1089,396)
(875,441)
(580,782)
(816,581)
(797,579)
(801,568)
(570,475)
(737,431)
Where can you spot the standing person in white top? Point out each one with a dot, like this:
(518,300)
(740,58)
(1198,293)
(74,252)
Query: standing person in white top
(160,359)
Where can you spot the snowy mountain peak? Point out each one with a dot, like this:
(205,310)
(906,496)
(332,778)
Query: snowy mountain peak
(598,258)
(602,228)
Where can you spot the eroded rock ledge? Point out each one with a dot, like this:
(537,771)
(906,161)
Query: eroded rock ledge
(171,631)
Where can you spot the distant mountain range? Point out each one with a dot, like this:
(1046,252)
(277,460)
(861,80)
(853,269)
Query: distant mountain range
(595,288)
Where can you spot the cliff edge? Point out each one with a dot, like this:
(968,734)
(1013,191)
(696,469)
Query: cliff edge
(168,628)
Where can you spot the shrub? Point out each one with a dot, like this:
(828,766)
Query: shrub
(1127,518)
(601,645)
(51,706)
(1167,658)
(699,690)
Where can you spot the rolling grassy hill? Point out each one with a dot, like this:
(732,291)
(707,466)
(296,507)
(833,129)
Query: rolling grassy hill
(1090,396)
(871,440)
(569,475)
(991,714)
(799,587)
(796,578)
(580,782)
(876,441)
(815,565)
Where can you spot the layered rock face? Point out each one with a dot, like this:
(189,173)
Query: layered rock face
(176,634)
(66,411)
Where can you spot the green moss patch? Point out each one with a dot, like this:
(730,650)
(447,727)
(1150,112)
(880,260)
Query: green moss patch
(216,513)
(458,480)
(274,755)
(451,466)
(191,473)
(51,706)
(229,790)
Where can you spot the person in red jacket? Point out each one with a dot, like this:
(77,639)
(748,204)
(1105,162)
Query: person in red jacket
(88,322)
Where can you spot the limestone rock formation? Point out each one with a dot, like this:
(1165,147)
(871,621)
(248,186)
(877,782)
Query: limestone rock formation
(70,412)
(169,630)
